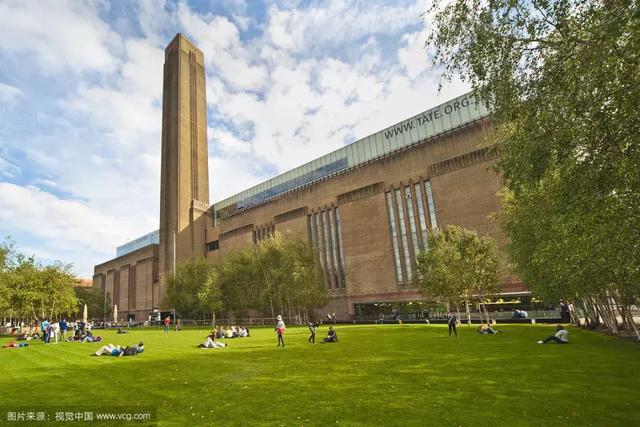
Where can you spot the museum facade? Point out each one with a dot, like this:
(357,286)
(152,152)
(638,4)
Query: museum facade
(367,208)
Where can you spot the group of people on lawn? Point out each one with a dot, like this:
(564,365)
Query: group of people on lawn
(56,331)
(212,340)
(82,332)
(561,336)
(232,332)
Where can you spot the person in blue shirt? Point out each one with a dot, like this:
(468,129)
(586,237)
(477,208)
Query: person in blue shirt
(44,326)
(64,326)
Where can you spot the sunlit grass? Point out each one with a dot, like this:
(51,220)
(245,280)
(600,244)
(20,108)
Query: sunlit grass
(375,375)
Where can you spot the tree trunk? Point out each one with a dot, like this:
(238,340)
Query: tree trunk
(486,313)
(607,315)
(271,304)
(466,303)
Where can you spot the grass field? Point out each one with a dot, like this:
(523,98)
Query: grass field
(375,375)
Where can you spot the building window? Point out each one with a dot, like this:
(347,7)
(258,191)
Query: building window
(339,235)
(424,230)
(334,249)
(263,232)
(327,248)
(394,236)
(319,245)
(327,240)
(403,234)
(412,220)
(213,246)
(431,204)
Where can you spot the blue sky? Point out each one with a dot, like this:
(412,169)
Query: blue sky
(287,81)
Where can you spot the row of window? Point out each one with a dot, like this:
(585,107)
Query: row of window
(262,232)
(409,226)
(326,234)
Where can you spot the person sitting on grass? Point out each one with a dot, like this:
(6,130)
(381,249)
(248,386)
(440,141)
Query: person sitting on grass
(122,331)
(211,342)
(88,337)
(561,336)
(487,330)
(331,336)
(220,332)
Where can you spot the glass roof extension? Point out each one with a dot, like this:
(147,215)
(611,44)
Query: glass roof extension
(440,119)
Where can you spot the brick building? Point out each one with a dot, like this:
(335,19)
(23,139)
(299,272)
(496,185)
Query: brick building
(366,207)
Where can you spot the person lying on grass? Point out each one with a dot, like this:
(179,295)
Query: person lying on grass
(488,330)
(12,344)
(116,350)
(331,336)
(561,336)
(211,342)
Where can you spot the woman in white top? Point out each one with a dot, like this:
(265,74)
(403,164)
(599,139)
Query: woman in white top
(561,336)
(280,328)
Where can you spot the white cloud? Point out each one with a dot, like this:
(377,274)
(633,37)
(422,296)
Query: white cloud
(9,95)
(62,34)
(65,224)
(413,56)
(336,22)
(231,174)
(308,80)
(219,39)
(227,142)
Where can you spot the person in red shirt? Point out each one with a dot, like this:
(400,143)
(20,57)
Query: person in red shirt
(167,321)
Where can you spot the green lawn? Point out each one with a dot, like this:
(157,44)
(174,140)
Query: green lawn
(375,375)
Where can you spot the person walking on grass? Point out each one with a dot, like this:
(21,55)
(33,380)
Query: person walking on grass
(452,320)
(280,328)
(167,322)
(313,327)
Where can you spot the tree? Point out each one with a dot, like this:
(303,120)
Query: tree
(97,303)
(31,290)
(458,267)
(6,250)
(562,80)
(276,275)
(192,290)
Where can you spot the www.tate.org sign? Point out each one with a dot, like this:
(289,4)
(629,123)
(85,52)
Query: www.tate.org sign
(442,118)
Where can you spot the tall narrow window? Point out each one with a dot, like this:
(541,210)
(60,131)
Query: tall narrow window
(424,230)
(412,221)
(394,237)
(342,264)
(319,245)
(403,233)
(334,249)
(432,206)
(327,246)
(312,231)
